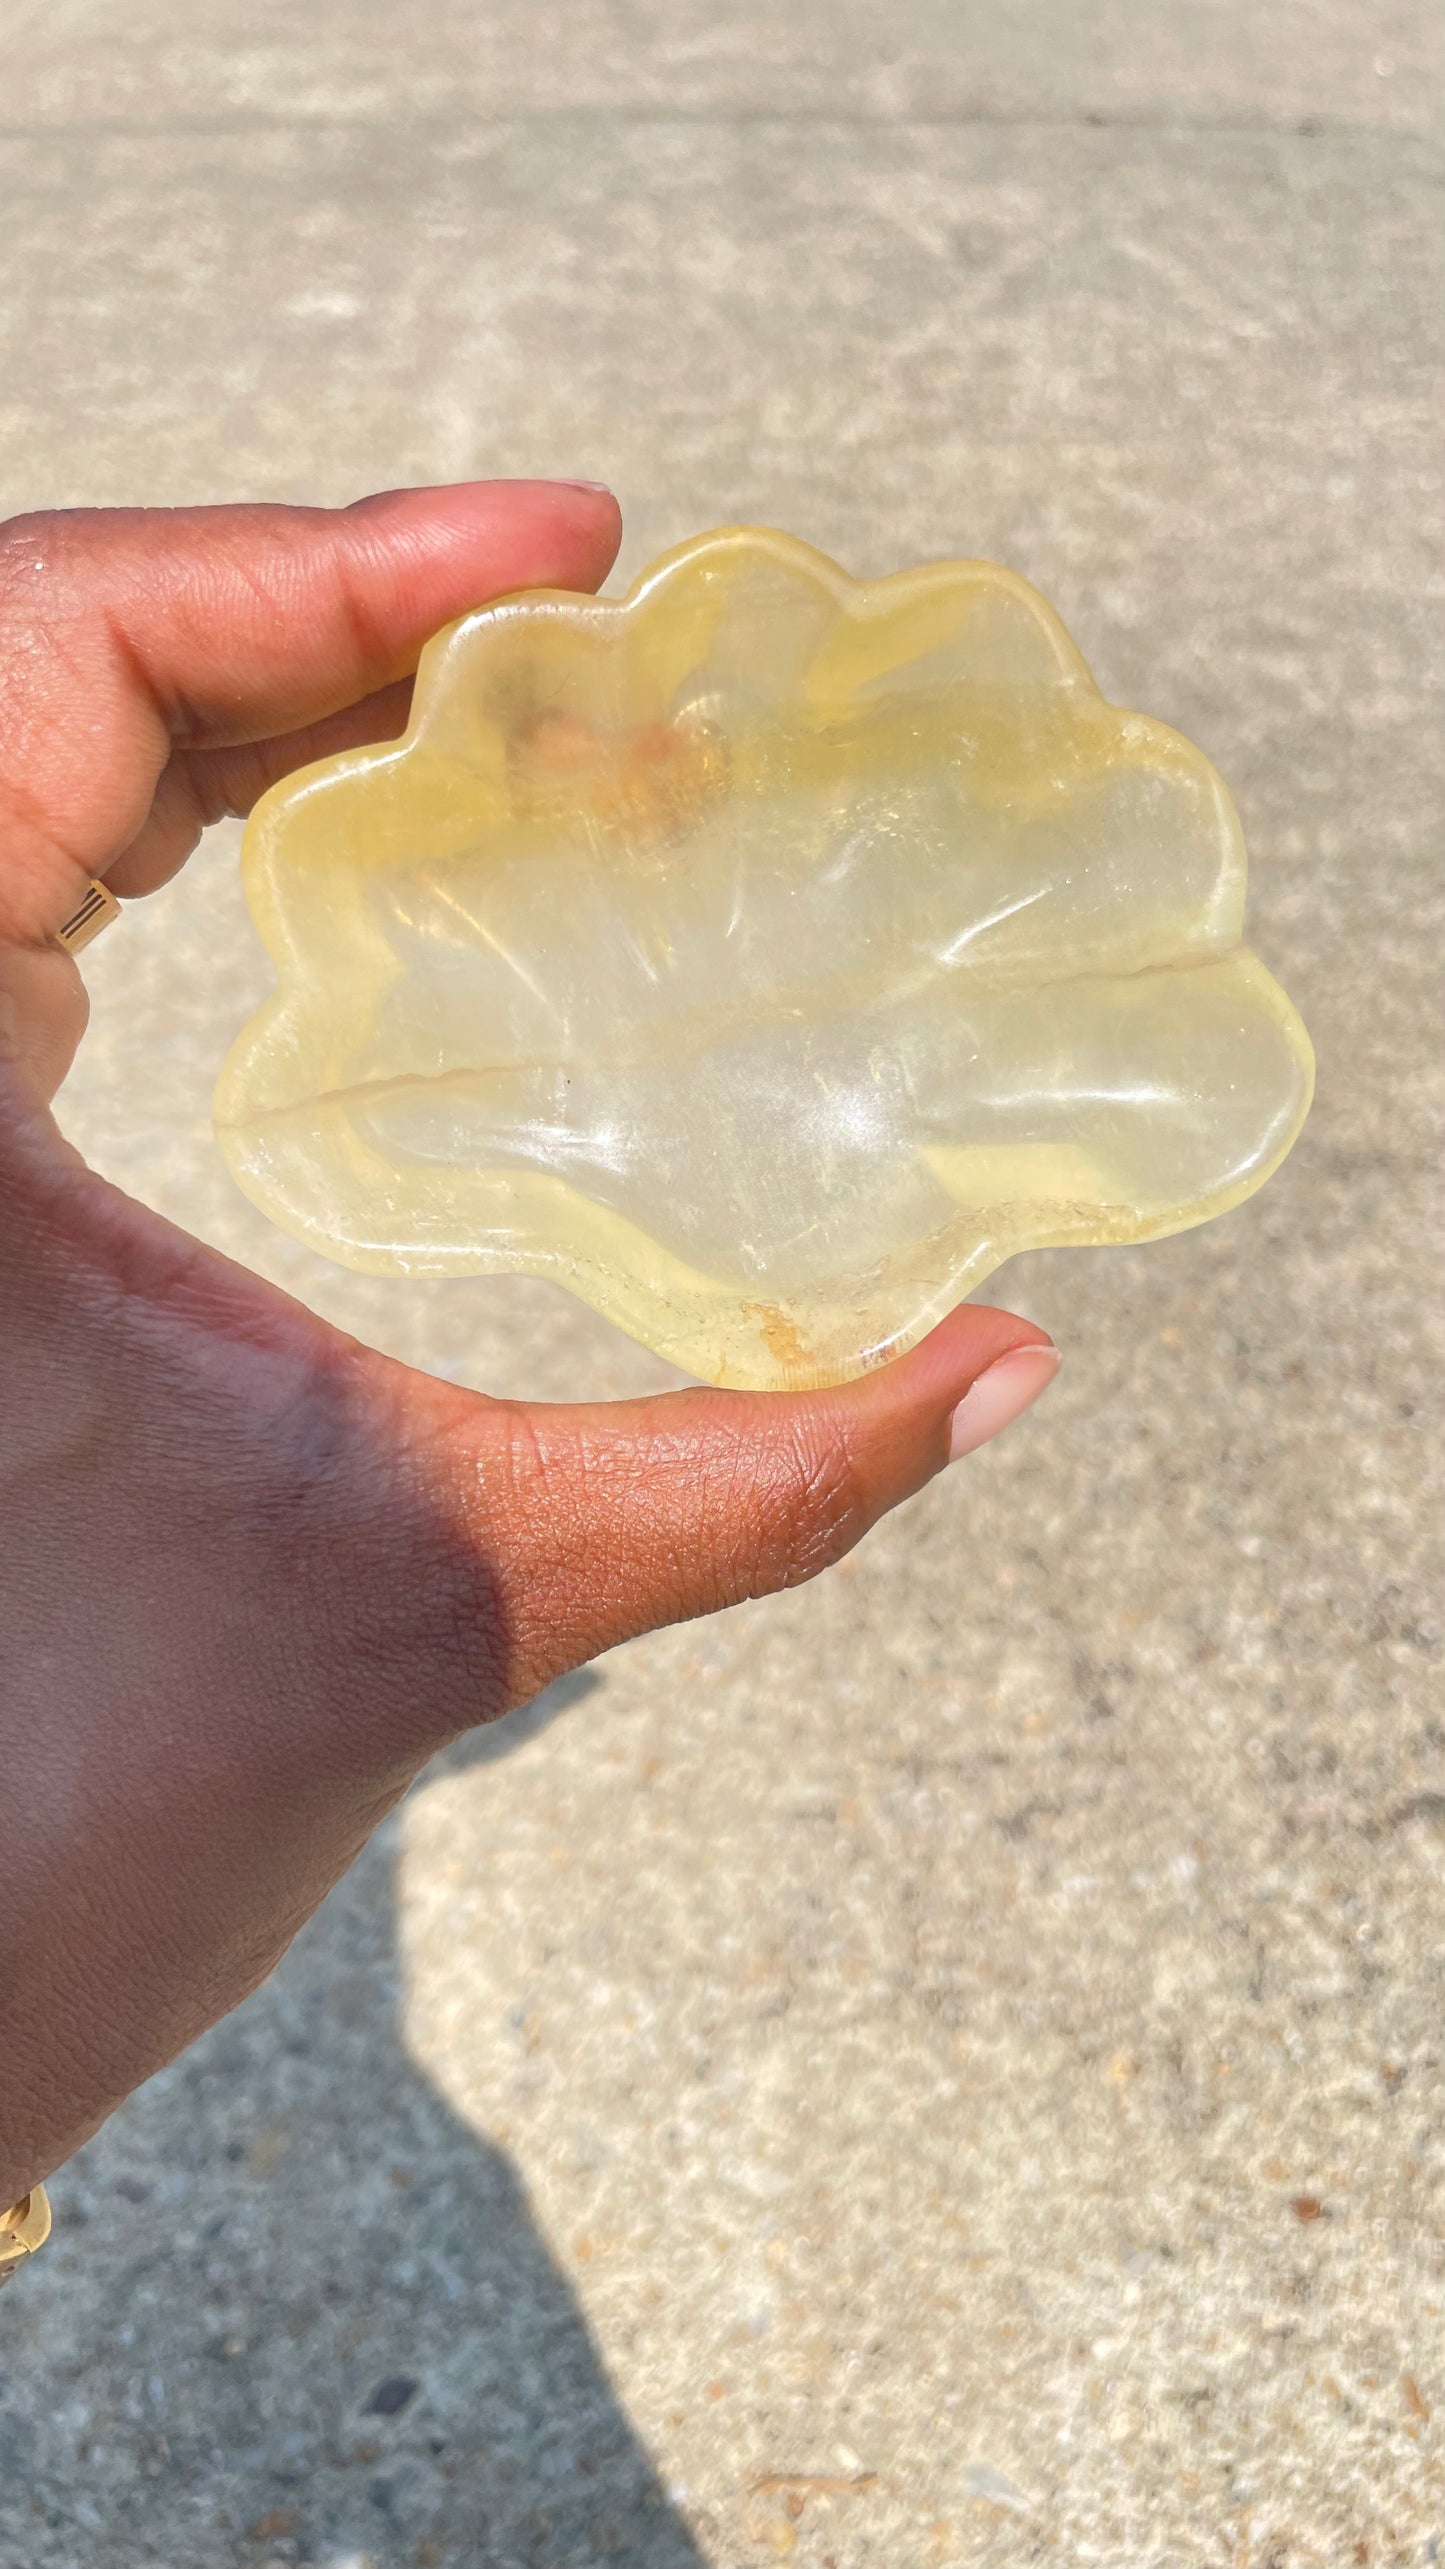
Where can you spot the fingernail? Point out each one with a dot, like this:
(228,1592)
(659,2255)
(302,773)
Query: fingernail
(605,488)
(1001,1394)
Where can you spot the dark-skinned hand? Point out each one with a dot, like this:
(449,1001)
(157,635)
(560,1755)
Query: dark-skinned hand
(252,1574)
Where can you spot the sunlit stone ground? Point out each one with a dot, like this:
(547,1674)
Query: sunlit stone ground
(944,2068)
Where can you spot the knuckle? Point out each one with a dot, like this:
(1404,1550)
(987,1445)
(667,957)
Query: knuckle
(38,546)
(528,1478)
(530,1559)
(55,565)
(805,1508)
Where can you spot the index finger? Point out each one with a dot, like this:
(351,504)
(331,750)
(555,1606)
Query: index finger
(126,631)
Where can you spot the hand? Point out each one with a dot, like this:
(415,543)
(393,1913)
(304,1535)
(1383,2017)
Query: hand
(251,1573)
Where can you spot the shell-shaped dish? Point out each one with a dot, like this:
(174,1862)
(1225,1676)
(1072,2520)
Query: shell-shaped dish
(766,955)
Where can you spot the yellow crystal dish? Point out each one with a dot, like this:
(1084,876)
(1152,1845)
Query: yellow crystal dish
(766,955)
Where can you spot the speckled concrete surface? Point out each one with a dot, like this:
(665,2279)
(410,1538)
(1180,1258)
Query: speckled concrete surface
(945,2067)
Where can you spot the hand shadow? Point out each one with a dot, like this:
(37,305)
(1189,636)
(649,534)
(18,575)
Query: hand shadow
(296,2310)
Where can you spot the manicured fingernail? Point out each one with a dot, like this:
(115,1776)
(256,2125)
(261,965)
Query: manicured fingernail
(1001,1394)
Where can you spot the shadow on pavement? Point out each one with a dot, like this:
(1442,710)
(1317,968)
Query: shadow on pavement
(297,2311)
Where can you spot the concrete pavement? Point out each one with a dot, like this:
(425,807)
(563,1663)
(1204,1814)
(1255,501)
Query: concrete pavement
(944,2067)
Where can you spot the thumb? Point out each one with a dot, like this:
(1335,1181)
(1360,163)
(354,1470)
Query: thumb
(601,1522)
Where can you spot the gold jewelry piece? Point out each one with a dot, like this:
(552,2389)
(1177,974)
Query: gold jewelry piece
(96,911)
(23,2229)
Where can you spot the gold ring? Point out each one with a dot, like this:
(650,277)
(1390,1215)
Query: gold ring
(23,2229)
(96,911)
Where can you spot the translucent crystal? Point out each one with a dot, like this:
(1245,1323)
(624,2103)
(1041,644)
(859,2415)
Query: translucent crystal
(765,955)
